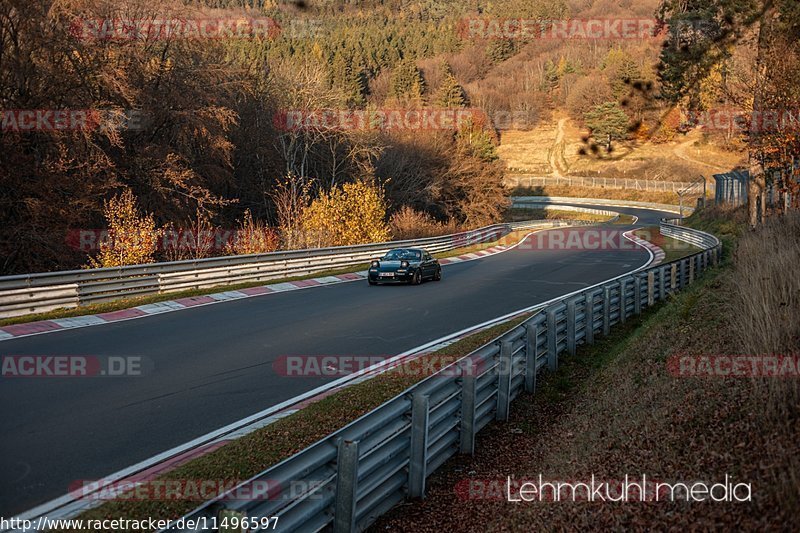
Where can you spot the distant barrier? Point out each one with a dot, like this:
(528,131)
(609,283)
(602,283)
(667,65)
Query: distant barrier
(526,180)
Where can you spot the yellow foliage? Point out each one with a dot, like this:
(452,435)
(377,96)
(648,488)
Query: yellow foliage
(711,88)
(354,213)
(132,239)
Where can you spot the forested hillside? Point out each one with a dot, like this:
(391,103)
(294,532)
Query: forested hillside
(186,135)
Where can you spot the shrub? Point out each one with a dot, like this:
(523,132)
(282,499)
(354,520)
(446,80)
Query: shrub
(354,213)
(132,239)
(408,223)
(253,237)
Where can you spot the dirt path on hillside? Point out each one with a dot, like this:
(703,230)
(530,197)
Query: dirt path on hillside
(556,155)
(680,151)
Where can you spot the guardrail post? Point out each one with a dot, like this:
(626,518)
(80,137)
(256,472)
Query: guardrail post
(417,464)
(684,269)
(662,283)
(552,342)
(344,517)
(531,355)
(623,306)
(651,286)
(691,269)
(637,295)
(468,390)
(606,310)
(571,342)
(588,327)
(504,373)
(673,284)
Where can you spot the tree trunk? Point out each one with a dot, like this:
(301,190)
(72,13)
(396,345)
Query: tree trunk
(757,182)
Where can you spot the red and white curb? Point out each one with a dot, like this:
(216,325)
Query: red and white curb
(60,324)
(658,253)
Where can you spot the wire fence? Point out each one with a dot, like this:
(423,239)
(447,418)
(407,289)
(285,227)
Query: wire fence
(529,181)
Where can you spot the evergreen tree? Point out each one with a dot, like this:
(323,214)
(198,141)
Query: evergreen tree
(407,81)
(450,93)
(621,71)
(551,76)
(608,122)
(499,50)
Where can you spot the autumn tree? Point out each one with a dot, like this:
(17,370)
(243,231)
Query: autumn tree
(132,238)
(588,92)
(499,50)
(704,34)
(621,71)
(353,213)
(291,195)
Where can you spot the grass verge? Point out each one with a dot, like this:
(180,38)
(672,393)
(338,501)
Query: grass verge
(673,248)
(516,214)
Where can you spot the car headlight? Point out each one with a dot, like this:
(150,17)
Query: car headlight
(404,264)
(375,264)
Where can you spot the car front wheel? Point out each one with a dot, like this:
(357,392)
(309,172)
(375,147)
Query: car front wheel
(438,275)
(416,279)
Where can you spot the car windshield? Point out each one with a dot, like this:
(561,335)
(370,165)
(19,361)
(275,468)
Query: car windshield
(402,255)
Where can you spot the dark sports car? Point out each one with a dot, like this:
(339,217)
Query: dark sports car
(404,265)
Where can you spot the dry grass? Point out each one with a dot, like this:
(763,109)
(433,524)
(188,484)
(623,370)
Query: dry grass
(518,214)
(408,223)
(683,160)
(528,150)
(765,312)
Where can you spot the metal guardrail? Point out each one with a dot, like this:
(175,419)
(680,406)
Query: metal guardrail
(345,481)
(519,201)
(41,292)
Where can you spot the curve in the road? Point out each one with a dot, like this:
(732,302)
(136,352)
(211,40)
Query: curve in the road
(213,365)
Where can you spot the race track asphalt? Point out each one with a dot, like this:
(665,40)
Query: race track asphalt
(213,365)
